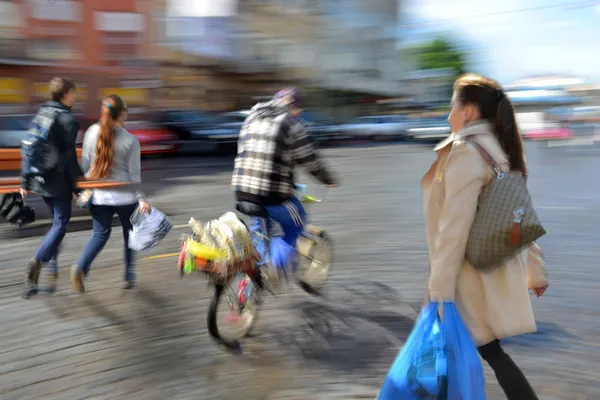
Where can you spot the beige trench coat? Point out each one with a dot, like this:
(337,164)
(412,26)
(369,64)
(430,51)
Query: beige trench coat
(493,305)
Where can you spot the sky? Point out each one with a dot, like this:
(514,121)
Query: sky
(511,45)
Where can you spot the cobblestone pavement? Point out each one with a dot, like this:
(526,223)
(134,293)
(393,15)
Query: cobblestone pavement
(152,343)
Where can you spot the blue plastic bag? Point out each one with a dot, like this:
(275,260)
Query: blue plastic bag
(439,361)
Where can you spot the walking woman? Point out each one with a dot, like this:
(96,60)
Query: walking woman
(110,153)
(493,305)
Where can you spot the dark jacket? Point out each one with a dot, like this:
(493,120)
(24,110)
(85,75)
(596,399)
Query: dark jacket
(61,181)
(270,146)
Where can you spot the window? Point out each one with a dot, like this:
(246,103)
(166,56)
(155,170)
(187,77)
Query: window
(120,45)
(63,10)
(12,48)
(52,49)
(119,22)
(10,17)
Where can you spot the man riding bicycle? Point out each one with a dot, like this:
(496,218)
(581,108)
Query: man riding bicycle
(272,142)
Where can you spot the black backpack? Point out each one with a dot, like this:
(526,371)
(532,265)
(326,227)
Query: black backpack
(39,154)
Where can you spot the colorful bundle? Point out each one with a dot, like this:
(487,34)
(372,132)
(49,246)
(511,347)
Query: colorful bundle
(222,246)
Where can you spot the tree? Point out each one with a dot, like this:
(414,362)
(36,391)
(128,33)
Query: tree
(441,54)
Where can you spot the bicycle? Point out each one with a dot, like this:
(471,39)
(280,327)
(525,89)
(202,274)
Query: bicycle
(244,284)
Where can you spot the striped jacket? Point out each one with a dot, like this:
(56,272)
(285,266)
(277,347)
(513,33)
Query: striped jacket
(271,144)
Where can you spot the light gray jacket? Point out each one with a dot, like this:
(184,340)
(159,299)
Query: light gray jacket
(126,166)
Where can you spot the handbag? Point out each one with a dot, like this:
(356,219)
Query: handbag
(15,211)
(148,229)
(505,222)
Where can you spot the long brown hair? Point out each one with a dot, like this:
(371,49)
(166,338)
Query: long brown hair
(112,108)
(489,97)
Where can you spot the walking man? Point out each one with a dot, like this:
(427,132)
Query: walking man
(50,169)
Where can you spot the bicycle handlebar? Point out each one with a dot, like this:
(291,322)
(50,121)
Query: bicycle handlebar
(306,198)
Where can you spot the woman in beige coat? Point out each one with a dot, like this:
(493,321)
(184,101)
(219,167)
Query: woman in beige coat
(497,304)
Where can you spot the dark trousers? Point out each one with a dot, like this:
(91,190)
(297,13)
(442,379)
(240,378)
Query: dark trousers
(291,217)
(510,377)
(102,226)
(60,211)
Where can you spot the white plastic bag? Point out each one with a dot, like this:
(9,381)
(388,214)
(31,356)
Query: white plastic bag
(148,229)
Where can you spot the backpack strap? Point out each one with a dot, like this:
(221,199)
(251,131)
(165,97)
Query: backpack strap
(50,116)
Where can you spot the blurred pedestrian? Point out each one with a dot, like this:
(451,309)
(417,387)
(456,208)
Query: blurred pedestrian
(494,305)
(50,169)
(113,154)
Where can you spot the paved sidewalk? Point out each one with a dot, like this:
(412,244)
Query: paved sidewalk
(152,343)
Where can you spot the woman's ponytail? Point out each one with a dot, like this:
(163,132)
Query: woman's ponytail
(112,108)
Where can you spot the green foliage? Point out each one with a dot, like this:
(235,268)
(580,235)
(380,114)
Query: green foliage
(440,54)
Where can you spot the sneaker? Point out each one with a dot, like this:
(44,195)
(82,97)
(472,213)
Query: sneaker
(31,281)
(29,291)
(53,278)
(129,285)
(77,279)
(33,271)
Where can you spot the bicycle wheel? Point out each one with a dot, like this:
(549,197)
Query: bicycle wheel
(314,268)
(233,310)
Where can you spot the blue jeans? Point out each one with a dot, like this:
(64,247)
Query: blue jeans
(60,211)
(102,226)
(291,216)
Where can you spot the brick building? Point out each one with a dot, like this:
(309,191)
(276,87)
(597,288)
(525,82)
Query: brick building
(96,43)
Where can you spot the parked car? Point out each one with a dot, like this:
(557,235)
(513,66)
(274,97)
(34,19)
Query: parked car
(429,129)
(378,127)
(13,129)
(550,131)
(322,128)
(229,130)
(188,124)
(214,134)
(153,138)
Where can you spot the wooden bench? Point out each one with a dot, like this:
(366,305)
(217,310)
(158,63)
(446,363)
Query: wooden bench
(10,159)
(12,185)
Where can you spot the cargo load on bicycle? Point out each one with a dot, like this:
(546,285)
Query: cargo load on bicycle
(220,248)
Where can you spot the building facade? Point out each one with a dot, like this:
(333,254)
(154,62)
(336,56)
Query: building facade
(98,44)
(214,63)
(343,51)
